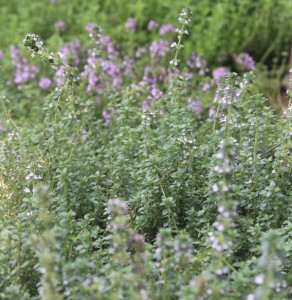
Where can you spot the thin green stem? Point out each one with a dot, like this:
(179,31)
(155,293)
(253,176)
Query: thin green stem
(215,118)
(256,141)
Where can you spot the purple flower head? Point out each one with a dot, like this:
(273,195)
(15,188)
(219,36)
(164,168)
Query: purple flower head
(218,73)
(89,26)
(159,48)
(154,94)
(211,112)
(1,54)
(130,24)
(144,106)
(152,25)
(106,43)
(127,64)
(165,28)
(148,77)
(106,116)
(45,83)
(53,1)
(195,106)
(14,54)
(84,137)
(92,80)
(247,61)
(60,25)
(23,71)
(207,85)
(59,76)
(139,52)
(188,75)
(70,53)
(195,62)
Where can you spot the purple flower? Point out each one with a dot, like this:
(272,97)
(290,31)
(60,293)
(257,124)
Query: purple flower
(14,54)
(207,85)
(195,106)
(92,80)
(70,52)
(130,24)
(218,73)
(60,25)
(195,62)
(247,61)
(53,1)
(165,28)
(23,72)
(211,112)
(106,43)
(89,26)
(144,106)
(1,54)
(154,94)
(105,116)
(45,83)
(84,137)
(127,64)
(188,75)
(152,25)
(159,48)
(59,76)
(139,52)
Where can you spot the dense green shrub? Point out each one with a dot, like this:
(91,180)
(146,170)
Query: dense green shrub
(158,203)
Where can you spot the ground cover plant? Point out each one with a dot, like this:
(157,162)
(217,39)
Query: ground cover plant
(145,174)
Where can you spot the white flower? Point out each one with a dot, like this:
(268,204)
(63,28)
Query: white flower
(259,279)
(174,62)
(215,188)
(250,297)
(221,209)
(26,190)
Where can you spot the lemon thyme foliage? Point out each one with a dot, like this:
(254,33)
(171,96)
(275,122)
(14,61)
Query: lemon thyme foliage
(120,190)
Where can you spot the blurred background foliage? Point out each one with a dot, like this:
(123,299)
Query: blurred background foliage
(219,28)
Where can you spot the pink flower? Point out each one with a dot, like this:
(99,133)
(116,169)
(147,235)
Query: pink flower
(211,112)
(106,116)
(45,83)
(84,137)
(152,25)
(130,24)
(218,73)
(247,61)
(195,106)
(165,28)
(144,106)
(89,26)
(60,25)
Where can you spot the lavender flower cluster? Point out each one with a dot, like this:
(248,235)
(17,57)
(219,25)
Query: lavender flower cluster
(107,70)
(24,72)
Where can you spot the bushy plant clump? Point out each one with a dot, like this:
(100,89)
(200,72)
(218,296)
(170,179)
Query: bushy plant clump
(110,195)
